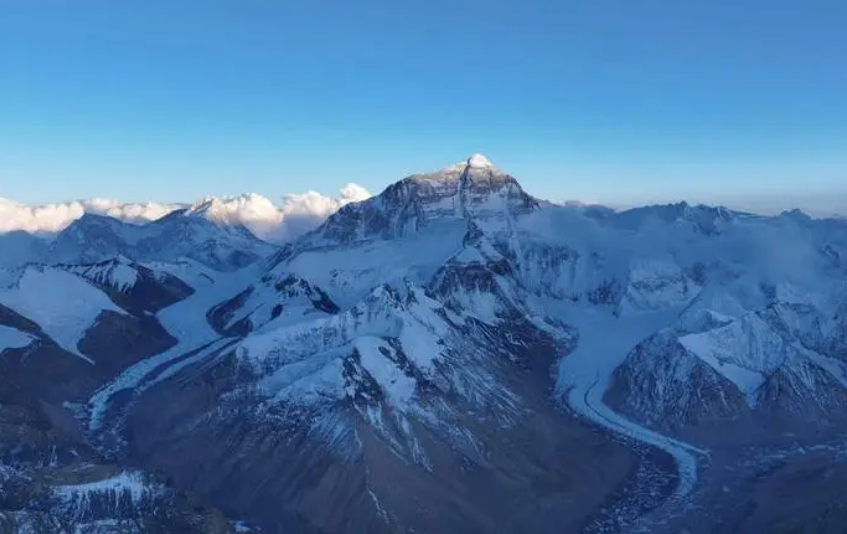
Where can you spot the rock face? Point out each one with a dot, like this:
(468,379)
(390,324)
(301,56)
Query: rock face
(475,189)
(377,440)
(133,286)
(51,479)
(452,355)
(281,300)
(180,234)
(772,362)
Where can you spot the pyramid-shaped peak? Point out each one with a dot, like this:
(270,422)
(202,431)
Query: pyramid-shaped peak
(478,161)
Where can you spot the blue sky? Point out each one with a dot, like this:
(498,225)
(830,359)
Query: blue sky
(612,100)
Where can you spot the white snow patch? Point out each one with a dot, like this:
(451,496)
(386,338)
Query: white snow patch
(64,305)
(116,273)
(656,283)
(397,386)
(184,320)
(745,351)
(12,338)
(126,481)
(478,161)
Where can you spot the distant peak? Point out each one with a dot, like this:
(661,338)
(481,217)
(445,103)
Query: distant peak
(478,161)
(204,205)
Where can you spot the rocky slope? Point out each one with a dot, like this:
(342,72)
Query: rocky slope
(180,234)
(452,355)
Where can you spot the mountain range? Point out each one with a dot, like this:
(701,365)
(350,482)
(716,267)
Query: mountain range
(296,214)
(451,355)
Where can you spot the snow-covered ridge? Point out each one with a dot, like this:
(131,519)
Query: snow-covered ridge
(63,304)
(442,303)
(118,273)
(464,192)
(130,482)
(292,216)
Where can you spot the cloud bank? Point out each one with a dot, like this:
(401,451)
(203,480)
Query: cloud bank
(293,216)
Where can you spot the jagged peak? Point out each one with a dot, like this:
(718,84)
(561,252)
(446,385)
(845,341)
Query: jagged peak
(474,189)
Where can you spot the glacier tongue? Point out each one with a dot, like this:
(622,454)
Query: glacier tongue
(585,374)
(420,327)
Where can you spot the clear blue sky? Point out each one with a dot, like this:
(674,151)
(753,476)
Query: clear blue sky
(613,100)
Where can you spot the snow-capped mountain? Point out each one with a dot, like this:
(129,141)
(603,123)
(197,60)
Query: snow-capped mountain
(276,223)
(135,286)
(429,353)
(472,190)
(180,234)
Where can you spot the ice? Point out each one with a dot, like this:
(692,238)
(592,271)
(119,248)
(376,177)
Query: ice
(186,321)
(584,375)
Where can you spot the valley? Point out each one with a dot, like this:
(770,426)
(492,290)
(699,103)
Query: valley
(451,355)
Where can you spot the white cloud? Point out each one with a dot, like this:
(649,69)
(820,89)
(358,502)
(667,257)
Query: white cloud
(302,212)
(297,213)
(133,213)
(52,218)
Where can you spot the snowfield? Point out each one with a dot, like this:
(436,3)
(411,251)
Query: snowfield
(12,338)
(185,321)
(64,305)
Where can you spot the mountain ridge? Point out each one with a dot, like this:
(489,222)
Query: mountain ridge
(450,344)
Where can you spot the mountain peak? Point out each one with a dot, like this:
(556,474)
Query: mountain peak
(471,190)
(232,210)
(478,161)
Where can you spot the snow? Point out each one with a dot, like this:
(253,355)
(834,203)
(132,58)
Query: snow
(715,300)
(185,321)
(656,283)
(584,376)
(124,276)
(652,262)
(189,271)
(480,304)
(18,248)
(348,274)
(117,273)
(478,161)
(64,305)
(126,481)
(398,388)
(745,351)
(296,213)
(240,526)
(12,338)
